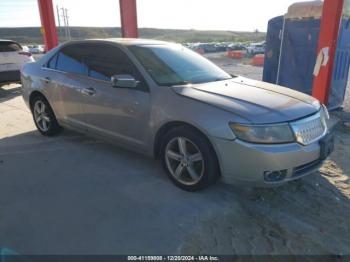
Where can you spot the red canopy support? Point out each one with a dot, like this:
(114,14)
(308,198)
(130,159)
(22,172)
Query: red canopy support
(128,16)
(48,26)
(329,31)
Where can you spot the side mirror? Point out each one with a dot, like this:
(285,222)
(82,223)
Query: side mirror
(124,81)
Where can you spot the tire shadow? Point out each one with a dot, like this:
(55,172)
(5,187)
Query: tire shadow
(9,91)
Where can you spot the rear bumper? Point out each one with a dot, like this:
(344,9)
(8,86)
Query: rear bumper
(245,163)
(10,76)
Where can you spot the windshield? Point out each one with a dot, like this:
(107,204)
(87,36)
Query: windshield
(177,65)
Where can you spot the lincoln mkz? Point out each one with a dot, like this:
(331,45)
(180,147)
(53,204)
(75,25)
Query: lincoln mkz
(171,103)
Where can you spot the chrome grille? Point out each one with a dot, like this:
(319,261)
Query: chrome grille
(309,129)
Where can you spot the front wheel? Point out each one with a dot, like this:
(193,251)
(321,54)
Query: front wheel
(44,118)
(189,159)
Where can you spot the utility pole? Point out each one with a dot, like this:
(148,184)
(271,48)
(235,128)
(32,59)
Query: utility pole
(58,18)
(67,18)
(64,13)
(64,22)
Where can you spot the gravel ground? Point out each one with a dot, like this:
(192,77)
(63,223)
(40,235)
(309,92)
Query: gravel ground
(236,67)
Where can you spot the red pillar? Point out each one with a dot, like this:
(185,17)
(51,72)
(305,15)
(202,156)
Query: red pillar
(48,26)
(128,16)
(329,31)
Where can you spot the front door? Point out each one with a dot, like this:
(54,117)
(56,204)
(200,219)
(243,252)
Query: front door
(120,113)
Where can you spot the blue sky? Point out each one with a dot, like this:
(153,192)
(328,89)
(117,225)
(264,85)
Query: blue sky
(240,15)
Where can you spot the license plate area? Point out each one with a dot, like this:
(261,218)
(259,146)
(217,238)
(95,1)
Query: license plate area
(8,67)
(327,146)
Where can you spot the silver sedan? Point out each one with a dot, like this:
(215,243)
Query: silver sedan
(166,101)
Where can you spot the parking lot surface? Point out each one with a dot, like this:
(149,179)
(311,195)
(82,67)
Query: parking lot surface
(73,194)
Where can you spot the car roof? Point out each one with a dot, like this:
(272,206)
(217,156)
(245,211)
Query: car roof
(7,40)
(126,41)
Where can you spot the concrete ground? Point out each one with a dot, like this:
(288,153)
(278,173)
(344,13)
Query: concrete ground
(72,194)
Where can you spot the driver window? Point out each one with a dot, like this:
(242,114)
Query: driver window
(104,61)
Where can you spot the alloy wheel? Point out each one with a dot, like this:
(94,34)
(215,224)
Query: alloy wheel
(41,116)
(184,161)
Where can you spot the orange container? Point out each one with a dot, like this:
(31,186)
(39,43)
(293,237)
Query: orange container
(236,54)
(258,60)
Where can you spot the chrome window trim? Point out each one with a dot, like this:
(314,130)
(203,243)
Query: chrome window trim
(90,78)
(45,65)
(76,74)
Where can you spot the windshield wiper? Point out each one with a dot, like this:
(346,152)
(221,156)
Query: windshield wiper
(180,83)
(213,80)
(222,79)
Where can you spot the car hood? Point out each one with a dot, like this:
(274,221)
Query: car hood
(255,101)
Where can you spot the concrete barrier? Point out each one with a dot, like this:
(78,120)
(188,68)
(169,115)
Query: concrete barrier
(258,60)
(236,54)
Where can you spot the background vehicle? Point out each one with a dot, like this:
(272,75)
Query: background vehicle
(256,48)
(36,49)
(12,58)
(166,101)
(236,47)
(25,48)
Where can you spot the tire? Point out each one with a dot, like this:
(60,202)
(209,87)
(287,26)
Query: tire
(189,159)
(42,112)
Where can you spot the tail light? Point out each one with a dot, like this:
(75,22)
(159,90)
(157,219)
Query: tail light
(25,53)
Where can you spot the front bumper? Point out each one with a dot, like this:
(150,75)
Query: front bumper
(246,163)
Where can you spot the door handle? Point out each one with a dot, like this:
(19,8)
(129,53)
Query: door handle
(88,91)
(47,80)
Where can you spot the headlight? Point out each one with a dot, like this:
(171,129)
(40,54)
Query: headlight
(264,134)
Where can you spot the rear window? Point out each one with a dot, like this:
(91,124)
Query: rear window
(9,47)
(71,59)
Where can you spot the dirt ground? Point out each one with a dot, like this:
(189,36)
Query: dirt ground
(82,202)
(309,216)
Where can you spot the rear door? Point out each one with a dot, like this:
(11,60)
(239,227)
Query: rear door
(11,58)
(120,113)
(67,83)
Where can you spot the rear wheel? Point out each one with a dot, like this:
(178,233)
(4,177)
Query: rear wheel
(189,159)
(44,118)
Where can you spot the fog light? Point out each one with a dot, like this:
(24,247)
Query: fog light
(275,176)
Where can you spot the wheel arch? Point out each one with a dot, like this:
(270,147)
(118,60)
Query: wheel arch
(165,128)
(33,95)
